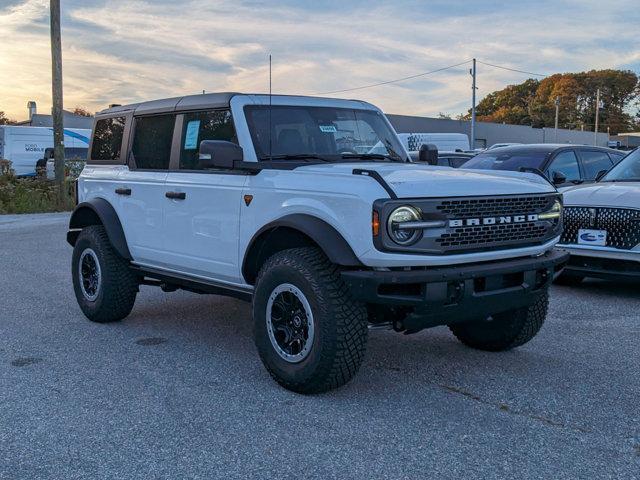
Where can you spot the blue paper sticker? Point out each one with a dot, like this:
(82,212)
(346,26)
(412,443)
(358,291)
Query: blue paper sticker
(328,128)
(191,136)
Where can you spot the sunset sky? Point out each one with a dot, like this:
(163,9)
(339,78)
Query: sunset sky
(126,51)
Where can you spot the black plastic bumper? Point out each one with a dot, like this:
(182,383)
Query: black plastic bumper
(447,295)
(606,268)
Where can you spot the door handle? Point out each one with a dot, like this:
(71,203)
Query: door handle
(123,191)
(176,195)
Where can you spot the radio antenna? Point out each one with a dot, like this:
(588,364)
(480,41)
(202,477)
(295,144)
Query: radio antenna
(269,106)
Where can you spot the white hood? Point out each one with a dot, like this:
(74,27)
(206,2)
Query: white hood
(605,194)
(411,180)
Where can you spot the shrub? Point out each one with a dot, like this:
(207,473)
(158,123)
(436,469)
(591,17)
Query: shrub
(31,195)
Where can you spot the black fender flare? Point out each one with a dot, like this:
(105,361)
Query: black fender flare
(332,243)
(94,212)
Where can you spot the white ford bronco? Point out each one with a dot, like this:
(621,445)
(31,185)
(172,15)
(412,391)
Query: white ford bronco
(311,209)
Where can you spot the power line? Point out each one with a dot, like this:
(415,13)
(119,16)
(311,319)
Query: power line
(394,81)
(512,69)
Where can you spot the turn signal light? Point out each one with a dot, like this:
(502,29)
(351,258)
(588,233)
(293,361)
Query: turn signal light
(375,224)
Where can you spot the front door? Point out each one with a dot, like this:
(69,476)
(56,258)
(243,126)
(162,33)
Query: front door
(202,217)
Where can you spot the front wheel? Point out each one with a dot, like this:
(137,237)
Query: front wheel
(311,336)
(506,330)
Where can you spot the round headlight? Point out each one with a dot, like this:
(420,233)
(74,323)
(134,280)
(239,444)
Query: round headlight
(553,213)
(400,235)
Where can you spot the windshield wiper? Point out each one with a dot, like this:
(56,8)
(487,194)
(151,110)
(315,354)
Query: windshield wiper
(295,156)
(367,156)
(613,180)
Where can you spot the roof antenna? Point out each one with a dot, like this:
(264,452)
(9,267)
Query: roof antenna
(270,107)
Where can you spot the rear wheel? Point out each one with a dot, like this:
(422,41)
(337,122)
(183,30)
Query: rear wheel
(311,336)
(506,330)
(104,285)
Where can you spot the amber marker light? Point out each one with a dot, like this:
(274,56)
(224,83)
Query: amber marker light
(375,223)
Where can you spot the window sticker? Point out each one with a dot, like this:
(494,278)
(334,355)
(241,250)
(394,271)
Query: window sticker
(191,136)
(328,128)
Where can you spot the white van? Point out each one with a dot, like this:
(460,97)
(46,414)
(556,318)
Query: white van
(446,142)
(24,146)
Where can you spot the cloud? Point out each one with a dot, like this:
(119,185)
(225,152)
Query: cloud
(126,51)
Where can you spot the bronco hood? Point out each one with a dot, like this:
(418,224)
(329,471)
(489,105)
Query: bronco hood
(412,180)
(605,194)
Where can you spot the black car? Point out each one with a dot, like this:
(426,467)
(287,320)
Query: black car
(442,159)
(564,165)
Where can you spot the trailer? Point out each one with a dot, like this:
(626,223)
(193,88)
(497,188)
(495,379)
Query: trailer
(24,146)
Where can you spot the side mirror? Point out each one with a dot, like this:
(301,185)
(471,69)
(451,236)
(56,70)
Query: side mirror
(601,174)
(219,154)
(558,178)
(428,153)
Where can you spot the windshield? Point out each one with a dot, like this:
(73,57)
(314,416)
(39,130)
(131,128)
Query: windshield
(510,160)
(628,170)
(325,133)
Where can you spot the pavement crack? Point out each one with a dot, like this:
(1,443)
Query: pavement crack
(503,407)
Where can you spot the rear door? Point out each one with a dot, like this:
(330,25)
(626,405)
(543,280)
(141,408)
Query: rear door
(202,219)
(141,187)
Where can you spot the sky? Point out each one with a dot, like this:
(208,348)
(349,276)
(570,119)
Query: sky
(123,51)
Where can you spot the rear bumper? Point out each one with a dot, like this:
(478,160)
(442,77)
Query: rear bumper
(438,296)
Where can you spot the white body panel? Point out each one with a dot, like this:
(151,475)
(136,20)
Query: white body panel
(207,234)
(24,146)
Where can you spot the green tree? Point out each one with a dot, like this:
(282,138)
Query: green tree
(533,102)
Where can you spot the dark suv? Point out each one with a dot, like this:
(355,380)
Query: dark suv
(564,165)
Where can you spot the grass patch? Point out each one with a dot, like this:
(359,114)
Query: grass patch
(33,195)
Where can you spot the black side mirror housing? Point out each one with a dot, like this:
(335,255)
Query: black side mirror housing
(428,153)
(601,174)
(219,154)
(558,178)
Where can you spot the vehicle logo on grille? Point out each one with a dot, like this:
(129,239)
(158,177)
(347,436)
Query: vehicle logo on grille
(593,214)
(474,222)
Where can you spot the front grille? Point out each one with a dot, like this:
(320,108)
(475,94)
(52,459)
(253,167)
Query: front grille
(488,207)
(622,225)
(492,234)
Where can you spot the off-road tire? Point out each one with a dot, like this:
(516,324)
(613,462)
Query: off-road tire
(569,279)
(119,285)
(505,330)
(340,323)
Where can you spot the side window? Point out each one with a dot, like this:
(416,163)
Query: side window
(443,162)
(565,163)
(107,139)
(152,141)
(594,162)
(458,162)
(199,126)
(616,157)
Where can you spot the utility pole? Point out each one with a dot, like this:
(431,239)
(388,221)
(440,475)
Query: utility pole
(557,102)
(56,87)
(472,72)
(595,130)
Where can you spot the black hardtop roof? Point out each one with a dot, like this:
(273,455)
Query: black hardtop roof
(188,102)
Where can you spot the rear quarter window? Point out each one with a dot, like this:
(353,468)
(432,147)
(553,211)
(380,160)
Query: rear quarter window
(107,139)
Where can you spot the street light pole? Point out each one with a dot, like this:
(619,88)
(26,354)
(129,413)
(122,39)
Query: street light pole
(557,102)
(473,105)
(56,90)
(595,130)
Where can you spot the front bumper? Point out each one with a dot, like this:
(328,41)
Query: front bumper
(445,295)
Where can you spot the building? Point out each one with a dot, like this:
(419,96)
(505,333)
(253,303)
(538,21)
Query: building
(627,141)
(69,119)
(489,133)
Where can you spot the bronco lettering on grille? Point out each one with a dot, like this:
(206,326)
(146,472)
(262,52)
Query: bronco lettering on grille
(470,222)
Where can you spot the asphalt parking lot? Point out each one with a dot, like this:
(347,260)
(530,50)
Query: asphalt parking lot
(177,390)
